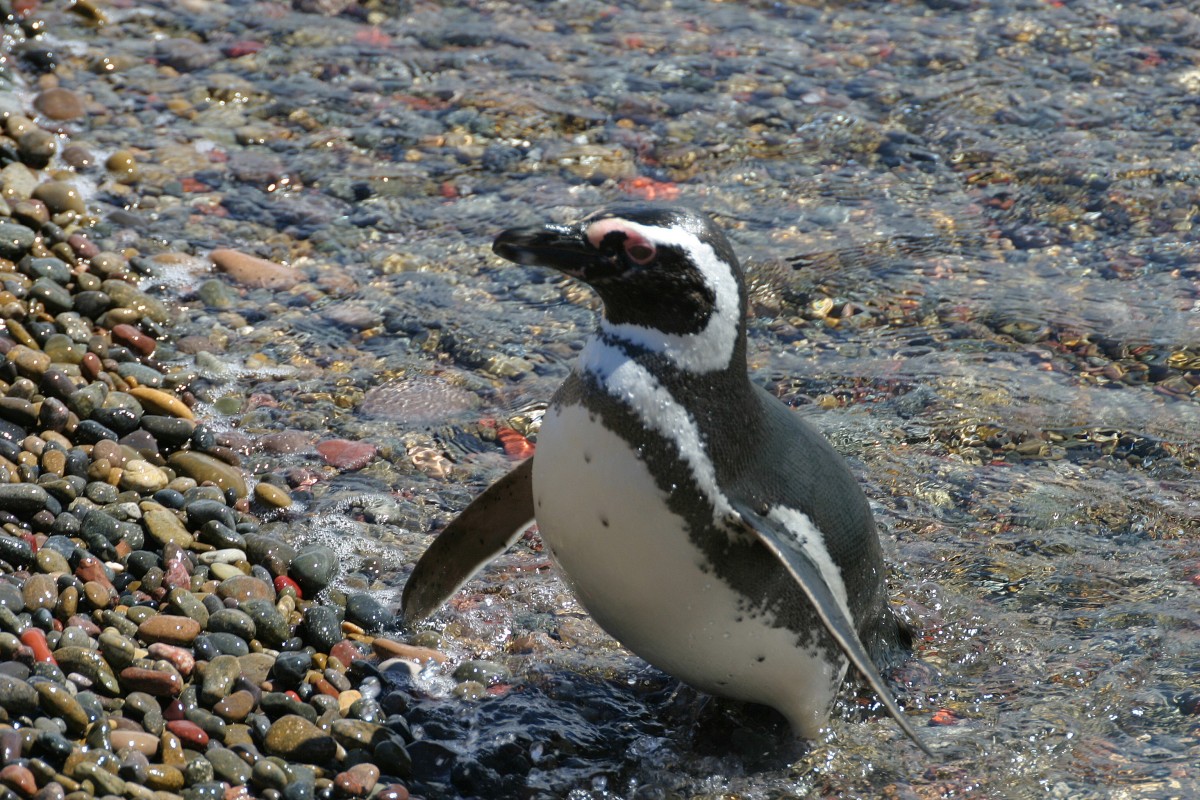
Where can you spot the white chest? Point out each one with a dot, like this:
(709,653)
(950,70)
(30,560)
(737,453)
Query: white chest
(636,571)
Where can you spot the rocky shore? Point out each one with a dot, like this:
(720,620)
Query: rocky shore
(158,640)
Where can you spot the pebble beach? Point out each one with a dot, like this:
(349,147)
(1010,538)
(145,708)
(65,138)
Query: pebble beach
(256,353)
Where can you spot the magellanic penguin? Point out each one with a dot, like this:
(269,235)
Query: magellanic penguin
(700,521)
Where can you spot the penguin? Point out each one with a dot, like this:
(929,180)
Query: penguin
(699,520)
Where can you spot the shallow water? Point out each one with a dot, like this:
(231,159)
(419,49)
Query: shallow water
(970,231)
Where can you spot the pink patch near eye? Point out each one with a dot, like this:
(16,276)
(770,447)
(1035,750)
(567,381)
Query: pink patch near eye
(639,249)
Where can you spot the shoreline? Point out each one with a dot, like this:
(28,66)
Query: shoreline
(155,638)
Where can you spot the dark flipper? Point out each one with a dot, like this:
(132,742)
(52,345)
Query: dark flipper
(782,545)
(484,530)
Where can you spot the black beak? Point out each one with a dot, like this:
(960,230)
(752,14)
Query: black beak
(561,247)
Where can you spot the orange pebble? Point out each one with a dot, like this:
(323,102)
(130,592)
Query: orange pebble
(943,716)
(35,640)
(516,446)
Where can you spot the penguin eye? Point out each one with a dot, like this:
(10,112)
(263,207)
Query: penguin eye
(611,235)
(639,250)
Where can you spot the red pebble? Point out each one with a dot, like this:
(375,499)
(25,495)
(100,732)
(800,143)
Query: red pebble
(191,734)
(19,778)
(85,623)
(345,454)
(83,246)
(92,569)
(181,658)
(90,366)
(650,189)
(943,716)
(159,683)
(325,687)
(194,186)
(23,8)
(177,575)
(174,711)
(134,339)
(372,36)
(516,446)
(32,540)
(241,48)
(347,651)
(284,582)
(35,640)
(293,695)
(348,786)
(393,791)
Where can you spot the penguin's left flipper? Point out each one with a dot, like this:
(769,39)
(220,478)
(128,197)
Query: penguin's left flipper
(781,542)
(486,528)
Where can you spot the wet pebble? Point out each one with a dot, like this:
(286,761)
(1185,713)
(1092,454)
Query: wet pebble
(235,707)
(123,166)
(157,401)
(366,611)
(276,555)
(169,629)
(358,781)
(59,104)
(294,737)
(16,696)
(219,677)
(271,495)
(484,672)
(40,591)
(346,455)
(11,597)
(142,477)
(145,743)
(204,467)
(166,528)
(58,702)
(255,272)
(227,766)
(60,197)
(189,733)
(22,498)
(314,568)
(322,626)
(15,240)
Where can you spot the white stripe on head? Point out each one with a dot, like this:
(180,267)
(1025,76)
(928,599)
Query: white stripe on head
(708,350)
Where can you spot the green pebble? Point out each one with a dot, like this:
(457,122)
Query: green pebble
(470,690)
(484,672)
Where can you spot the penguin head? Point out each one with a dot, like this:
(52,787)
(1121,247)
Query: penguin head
(669,279)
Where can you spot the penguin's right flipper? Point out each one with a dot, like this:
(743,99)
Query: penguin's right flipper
(486,528)
(781,543)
